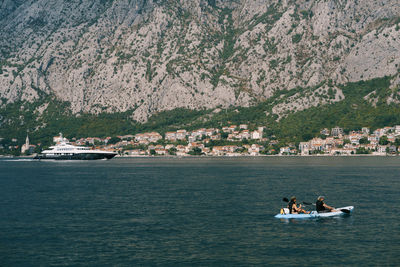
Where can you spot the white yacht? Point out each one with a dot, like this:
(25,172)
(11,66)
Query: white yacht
(63,150)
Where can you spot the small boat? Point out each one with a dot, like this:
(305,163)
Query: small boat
(284,214)
(66,151)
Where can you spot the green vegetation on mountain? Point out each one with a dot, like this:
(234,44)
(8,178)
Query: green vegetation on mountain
(351,113)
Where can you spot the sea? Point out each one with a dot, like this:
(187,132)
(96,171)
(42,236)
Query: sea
(198,211)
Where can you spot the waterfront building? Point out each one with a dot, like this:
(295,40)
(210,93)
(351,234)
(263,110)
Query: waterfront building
(379,132)
(304,148)
(218,151)
(197,134)
(365,131)
(169,146)
(337,131)
(181,134)
(232,128)
(136,152)
(245,134)
(124,137)
(216,137)
(392,149)
(211,131)
(181,148)
(381,149)
(154,137)
(170,136)
(206,150)
(225,129)
(388,129)
(391,138)
(355,137)
(58,139)
(150,137)
(317,144)
(397,130)
(256,135)
(255,149)
(27,148)
(161,151)
(325,131)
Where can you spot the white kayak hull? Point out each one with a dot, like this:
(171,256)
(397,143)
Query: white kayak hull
(314,214)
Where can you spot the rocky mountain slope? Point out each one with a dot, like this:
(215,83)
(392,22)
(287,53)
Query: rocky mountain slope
(153,55)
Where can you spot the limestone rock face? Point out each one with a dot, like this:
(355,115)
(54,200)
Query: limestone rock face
(149,56)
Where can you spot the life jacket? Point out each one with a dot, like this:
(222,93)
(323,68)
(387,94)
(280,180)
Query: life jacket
(319,205)
(290,206)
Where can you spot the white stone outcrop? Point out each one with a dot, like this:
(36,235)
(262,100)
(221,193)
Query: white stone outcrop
(150,56)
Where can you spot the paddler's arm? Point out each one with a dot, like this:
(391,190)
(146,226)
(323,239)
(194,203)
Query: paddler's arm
(328,207)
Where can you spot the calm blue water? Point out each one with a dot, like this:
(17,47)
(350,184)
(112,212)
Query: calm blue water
(197,211)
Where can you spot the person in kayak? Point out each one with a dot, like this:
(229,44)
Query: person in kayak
(320,205)
(293,209)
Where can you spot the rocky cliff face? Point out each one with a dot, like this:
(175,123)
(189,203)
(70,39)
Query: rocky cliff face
(148,55)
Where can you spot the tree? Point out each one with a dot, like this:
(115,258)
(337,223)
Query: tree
(195,151)
(397,142)
(172,151)
(307,136)
(383,140)
(97,142)
(113,140)
(362,150)
(364,141)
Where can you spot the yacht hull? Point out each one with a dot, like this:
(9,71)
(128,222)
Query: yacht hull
(80,156)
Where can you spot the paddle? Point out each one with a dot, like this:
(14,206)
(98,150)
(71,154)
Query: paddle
(345,211)
(342,210)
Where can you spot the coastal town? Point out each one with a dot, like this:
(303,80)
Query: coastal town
(240,140)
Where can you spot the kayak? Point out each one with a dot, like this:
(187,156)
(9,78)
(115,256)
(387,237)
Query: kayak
(284,214)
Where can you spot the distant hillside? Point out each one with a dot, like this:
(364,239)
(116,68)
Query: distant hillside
(352,113)
(142,57)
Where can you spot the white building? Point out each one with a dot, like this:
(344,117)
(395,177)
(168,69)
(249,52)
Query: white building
(181,134)
(58,139)
(325,131)
(304,148)
(365,130)
(27,148)
(149,137)
(397,130)
(170,136)
(380,132)
(337,131)
(355,138)
(256,135)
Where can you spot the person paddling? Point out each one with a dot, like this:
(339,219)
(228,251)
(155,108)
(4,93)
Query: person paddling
(320,205)
(293,209)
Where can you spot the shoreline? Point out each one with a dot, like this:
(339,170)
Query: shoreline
(223,156)
(248,156)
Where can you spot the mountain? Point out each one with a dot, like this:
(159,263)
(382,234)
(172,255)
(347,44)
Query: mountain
(142,57)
